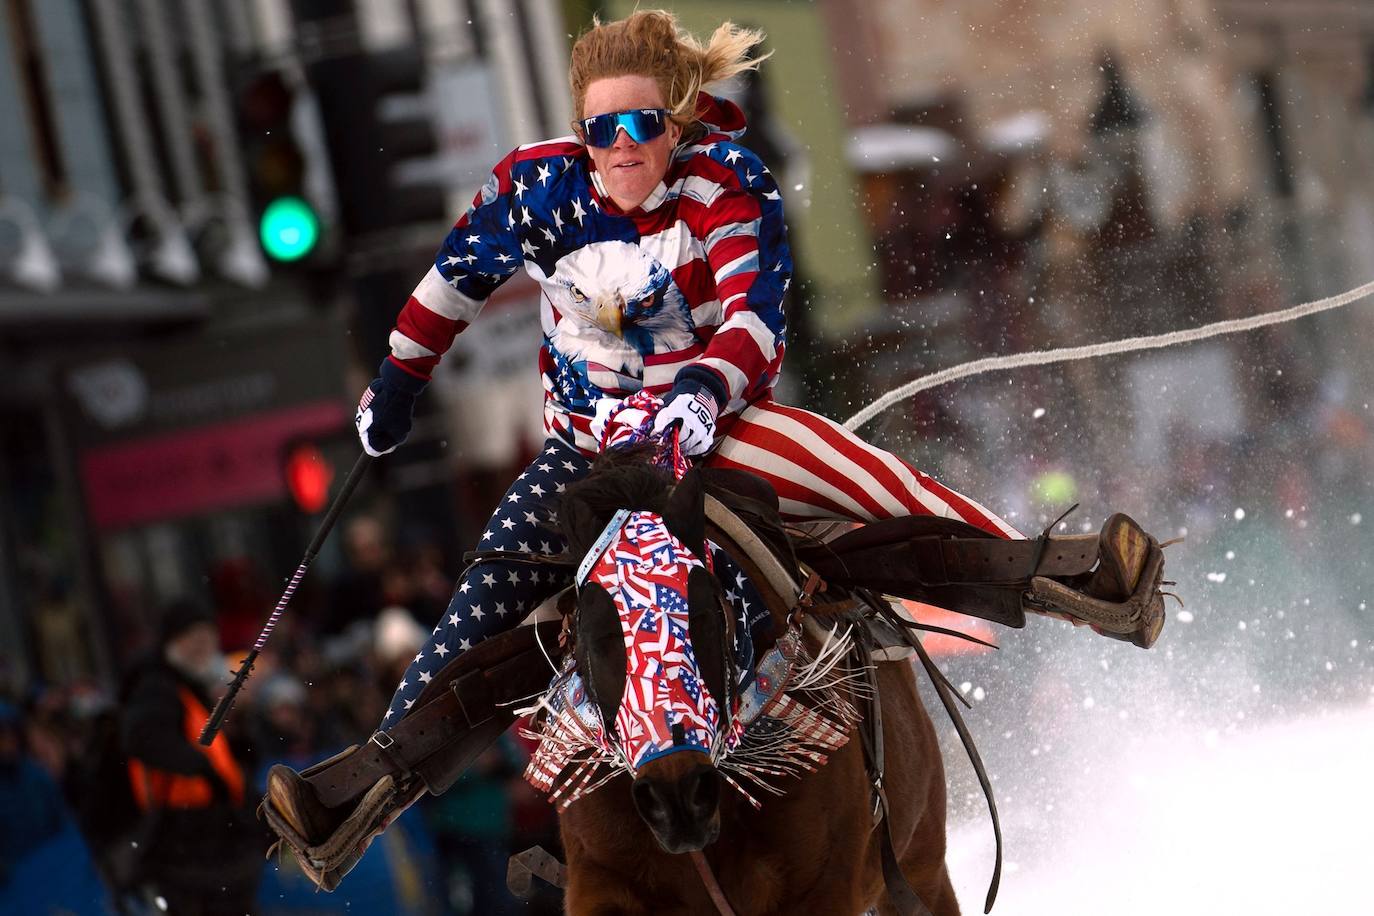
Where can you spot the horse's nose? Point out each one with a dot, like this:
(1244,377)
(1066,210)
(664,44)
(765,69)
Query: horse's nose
(702,793)
(683,813)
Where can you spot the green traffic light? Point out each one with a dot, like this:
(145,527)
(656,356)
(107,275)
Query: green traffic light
(289,229)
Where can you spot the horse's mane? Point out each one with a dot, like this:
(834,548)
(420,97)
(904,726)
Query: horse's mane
(626,478)
(620,478)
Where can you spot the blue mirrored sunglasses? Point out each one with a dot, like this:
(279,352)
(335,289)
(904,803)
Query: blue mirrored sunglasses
(641,124)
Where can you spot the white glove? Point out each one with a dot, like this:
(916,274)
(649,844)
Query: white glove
(604,406)
(697,415)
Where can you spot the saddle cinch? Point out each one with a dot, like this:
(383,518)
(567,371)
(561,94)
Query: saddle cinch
(328,814)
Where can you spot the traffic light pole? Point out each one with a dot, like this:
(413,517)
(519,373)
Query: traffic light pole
(212,727)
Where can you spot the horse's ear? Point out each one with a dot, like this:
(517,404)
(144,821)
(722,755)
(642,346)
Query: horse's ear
(578,521)
(685,512)
(600,651)
(706,625)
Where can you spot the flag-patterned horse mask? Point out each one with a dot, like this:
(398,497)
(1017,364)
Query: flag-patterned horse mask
(651,673)
(651,633)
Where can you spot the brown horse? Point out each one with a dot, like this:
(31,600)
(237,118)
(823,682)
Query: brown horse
(813,849)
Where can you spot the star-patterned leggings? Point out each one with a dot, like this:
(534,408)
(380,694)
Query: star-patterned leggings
(495,595)
(819,468)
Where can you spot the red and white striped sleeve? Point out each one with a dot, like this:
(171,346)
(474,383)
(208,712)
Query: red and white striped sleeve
(742,230)
(478,255)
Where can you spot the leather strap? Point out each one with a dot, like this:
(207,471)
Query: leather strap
(934,561)
(998,603)
(900,894)
(465,707)
(753,555)
(535,862)
(942,689)
(713,888)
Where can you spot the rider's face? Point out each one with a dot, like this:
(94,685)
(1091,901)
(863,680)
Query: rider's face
(630,170)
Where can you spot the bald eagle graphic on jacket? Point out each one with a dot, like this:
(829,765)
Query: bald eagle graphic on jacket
(619,305)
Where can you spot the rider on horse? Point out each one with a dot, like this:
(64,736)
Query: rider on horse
(659,244)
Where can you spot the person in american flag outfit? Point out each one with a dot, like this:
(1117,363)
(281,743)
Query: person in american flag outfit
(660,246)
(659,243)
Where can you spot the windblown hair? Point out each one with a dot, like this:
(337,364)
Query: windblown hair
(650,43)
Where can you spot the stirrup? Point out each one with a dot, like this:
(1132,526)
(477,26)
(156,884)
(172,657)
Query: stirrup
(295,801)
(326,861)
(1138,619)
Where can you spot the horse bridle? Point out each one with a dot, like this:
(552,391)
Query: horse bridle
(600,545)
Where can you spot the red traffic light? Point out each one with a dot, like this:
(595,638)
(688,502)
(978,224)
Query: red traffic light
(308,476)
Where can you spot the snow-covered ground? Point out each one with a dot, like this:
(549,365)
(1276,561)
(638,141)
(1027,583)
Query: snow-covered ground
(1274,818)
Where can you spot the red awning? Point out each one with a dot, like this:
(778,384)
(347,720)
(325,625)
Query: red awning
(216,466)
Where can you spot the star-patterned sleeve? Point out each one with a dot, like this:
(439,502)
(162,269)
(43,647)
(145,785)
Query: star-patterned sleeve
(747,253)
(479,254)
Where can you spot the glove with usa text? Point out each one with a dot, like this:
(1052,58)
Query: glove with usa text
(386,409)
(694,408)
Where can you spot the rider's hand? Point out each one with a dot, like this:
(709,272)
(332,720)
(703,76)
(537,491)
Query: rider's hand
(385,410)
(695,410)
(602,415)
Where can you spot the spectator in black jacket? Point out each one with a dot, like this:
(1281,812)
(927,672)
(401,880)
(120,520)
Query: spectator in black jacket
(202,849)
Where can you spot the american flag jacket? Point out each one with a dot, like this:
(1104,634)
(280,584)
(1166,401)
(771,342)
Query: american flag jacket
(685,291)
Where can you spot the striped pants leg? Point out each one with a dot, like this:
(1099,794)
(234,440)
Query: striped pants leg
(822,470)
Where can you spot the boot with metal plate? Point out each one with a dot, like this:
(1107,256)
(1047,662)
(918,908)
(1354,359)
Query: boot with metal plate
(328,814)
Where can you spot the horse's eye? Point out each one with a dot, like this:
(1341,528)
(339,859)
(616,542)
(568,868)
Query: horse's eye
(578,295)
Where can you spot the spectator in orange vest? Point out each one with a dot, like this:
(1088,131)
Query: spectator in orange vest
(202,849)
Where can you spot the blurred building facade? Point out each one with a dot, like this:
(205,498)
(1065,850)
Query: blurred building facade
(1040,174)
(176,376)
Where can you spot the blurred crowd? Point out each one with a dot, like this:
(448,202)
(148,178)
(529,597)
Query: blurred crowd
(143,819)
(1257,449)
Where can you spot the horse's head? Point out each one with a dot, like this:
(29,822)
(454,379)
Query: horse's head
(650,640)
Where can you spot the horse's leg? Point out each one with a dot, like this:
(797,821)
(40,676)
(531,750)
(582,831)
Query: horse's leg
(936,892)
(594,888)
(594,891)
(916,794)
(615,866)
(812,850)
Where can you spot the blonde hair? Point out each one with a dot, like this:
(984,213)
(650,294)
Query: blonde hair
(650,43)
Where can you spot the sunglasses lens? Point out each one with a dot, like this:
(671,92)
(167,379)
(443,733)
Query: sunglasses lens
(600,130)
(641,125)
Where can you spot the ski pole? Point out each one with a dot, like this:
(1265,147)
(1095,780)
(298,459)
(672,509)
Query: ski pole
(207,734)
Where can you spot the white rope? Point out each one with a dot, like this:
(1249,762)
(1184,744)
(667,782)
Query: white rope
(1066,354)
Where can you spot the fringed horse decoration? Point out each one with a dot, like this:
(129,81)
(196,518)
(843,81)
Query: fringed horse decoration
(653,743)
